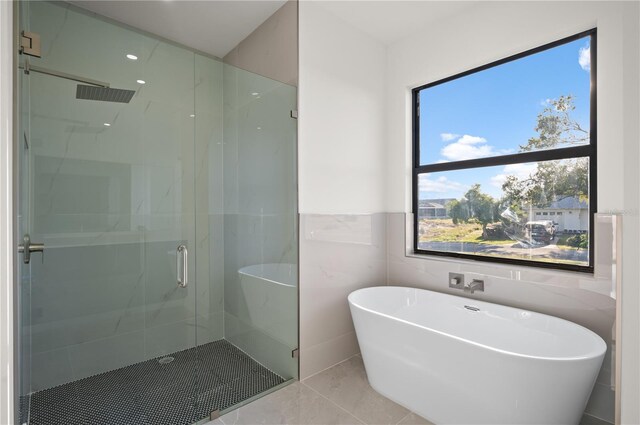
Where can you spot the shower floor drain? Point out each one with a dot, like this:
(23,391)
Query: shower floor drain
(166,360)
(178,389)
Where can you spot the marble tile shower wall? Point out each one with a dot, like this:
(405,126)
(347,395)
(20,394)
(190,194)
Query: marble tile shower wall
(112,203)
(259,201)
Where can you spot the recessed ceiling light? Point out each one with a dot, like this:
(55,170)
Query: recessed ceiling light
(255,93)
(192,115)
(141,81)
(132,57)
(259,128)
(107,124)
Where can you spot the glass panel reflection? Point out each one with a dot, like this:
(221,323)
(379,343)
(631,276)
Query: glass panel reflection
(533,211)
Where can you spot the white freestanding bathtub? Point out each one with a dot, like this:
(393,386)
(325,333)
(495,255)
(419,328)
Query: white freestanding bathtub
(454,360)
(270,297)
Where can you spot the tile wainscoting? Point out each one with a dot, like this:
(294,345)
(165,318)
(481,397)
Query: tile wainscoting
(338,254)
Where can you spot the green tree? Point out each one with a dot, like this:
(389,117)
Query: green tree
(458,211)
(556,127)
(552,180)
(474,205)
(482,207)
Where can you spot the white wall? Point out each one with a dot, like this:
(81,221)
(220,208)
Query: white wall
(341,146)
(342,143)
(6,208)
(630,302)
(342,112)
(482,34)
(491,31)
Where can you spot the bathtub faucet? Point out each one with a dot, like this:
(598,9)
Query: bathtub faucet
(475,285)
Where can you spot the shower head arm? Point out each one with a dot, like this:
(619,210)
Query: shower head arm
(28,68)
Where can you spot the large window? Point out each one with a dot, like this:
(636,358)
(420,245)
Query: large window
(505,159)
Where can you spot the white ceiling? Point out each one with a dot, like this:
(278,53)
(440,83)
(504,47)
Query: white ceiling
(391,20)
(217,26)
(213,26)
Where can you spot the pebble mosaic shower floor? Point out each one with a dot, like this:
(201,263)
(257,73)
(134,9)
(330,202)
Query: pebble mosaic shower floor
(196,382)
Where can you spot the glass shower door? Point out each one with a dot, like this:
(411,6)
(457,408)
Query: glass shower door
(23,266)
(167,291)
(108,312)
(261,273)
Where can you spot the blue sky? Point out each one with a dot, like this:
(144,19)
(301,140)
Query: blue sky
(493,112)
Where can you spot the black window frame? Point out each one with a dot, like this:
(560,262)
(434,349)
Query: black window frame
(589,151)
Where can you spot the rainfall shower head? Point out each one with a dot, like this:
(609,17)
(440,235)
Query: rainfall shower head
(90,90)
(104,94)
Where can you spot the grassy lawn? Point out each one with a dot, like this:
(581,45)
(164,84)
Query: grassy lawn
(540,258)
(443,230)
(563,244)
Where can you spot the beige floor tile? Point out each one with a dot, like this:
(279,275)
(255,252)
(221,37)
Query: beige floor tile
(413,419)
(346,385)
(295,404)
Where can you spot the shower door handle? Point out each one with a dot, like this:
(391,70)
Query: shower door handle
(27,247)
(181,269)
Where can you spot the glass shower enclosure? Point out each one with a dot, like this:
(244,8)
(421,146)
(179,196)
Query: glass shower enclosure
(157,214)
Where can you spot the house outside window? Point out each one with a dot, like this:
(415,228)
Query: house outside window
(505,159)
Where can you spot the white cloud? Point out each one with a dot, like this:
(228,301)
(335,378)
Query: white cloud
(521,171)
(447,137)
(439,185)
(545,102)
(471,140)
(467,147)
(584,58)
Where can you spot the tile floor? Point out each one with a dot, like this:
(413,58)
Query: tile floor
(339,395)
(156,392)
